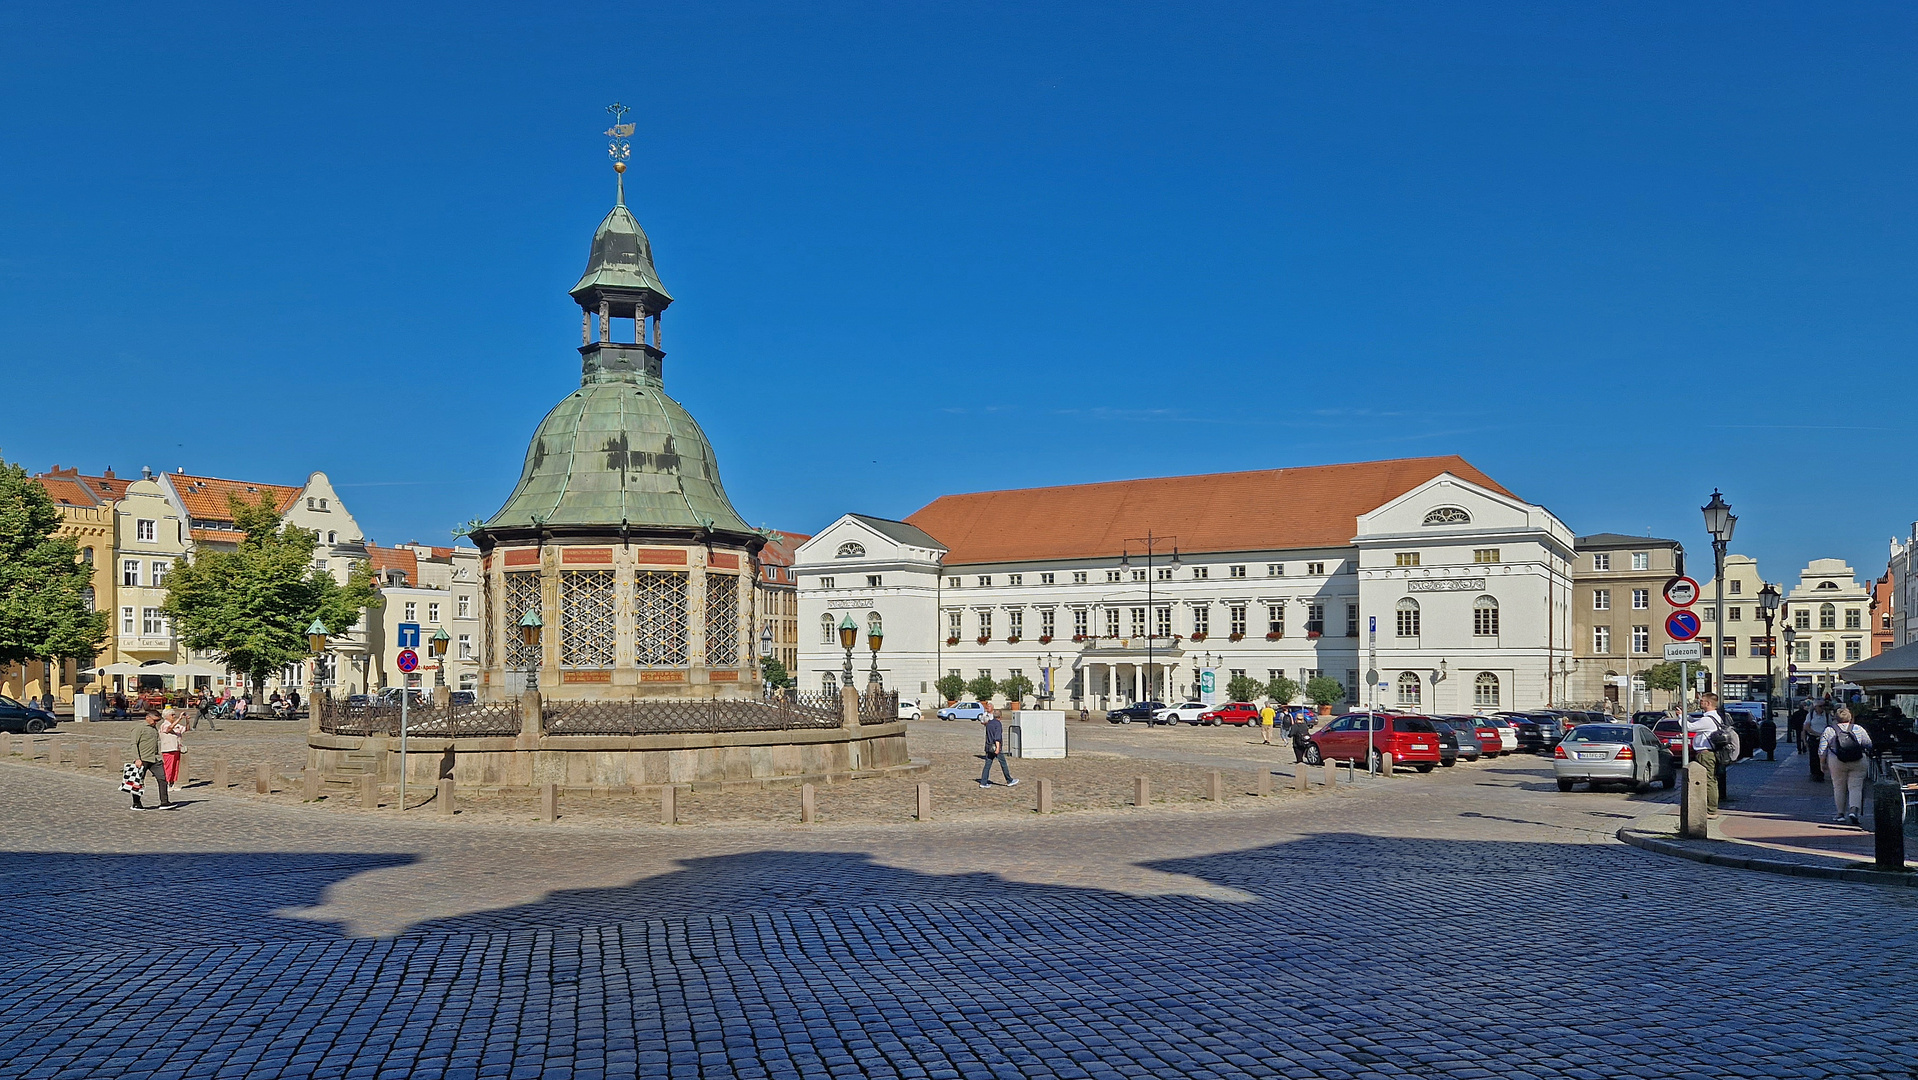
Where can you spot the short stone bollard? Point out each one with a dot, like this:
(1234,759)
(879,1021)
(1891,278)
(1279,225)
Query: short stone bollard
(1302,778)
(219,773)
(446,796)
(1386,764)
(369,793)
(1141,791)
(549,802)
(808,804)
(1262,783)
(924,812)
(262,778)
(310,785)
(83,756)
(668,805)
(1216,789)
(1691,808)
(1045,795)
(63,753)
(186,769)
(1888,824)
(1331,773)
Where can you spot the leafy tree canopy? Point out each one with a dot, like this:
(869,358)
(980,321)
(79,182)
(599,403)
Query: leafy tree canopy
(1281,690)
(1242,688)
(774,672)
(982,687)
(251,607)
(1662,676)
(44,609)
(1324,690)
(1016,688)
(950,687)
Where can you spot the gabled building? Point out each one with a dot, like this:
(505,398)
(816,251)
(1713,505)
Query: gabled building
(1828,610)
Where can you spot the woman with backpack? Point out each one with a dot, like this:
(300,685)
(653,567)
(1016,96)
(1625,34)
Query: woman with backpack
(1843,747)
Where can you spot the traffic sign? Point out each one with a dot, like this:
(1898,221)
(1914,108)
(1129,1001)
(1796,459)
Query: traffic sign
(1682,625)
(1685,650)
(409,635)
(1681,592)
(409,661)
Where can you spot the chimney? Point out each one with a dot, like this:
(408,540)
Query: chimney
(108,475)
(146,472)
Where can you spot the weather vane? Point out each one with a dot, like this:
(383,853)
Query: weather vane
(620,146)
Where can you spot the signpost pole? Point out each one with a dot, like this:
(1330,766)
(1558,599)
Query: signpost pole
(406,696)
(1684,716)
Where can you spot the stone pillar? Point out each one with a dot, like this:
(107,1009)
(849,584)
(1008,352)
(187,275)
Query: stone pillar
(1888,824)
(262,778)
(808,803)
(605,320)
(848,707)
(1215,789)
(446,796)
(549,802)
(668,805)
(924,811)
(1302,779)
(1691,803)
(1045,795)
(1141,791)
(531,724)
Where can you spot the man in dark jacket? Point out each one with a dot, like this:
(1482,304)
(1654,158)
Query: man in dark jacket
(146,751)
(995,751)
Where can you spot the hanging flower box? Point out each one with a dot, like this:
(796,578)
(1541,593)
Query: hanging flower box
(1045,639)
(1012,639)
(1076,638)
(952,641)
(1235,637)
(1274,635)
(1198,635)
(1311,633)
(983,640)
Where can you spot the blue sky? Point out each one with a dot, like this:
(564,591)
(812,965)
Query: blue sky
(1615,255)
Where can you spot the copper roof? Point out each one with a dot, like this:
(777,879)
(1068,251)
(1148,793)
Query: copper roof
(69,488)
(1270,510)
(205,497)
(402,559)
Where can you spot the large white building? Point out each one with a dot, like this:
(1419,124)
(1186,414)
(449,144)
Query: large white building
(1829,613)
(1417,583)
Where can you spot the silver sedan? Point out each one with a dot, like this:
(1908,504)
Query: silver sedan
(1625,754)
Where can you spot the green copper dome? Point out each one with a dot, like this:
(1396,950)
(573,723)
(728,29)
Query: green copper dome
(620,266)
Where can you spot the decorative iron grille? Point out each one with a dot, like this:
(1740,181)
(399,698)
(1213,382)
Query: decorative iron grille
(491,626)
(826,702)
(659,618)
(586,619)
(879,706)
(481,719)
(522,595)
(722,620)
(656,717)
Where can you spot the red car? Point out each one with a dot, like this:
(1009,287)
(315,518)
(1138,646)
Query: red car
(1411,740)
(1489,742)
(1236,712)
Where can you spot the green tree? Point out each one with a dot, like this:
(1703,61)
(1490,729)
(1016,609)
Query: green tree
(1281,690)
(251,607)
(44,613)
(1662,676)
(1016,688)
(774,673)
(1242,688)
(950,686)
(1324,690)
(982,687)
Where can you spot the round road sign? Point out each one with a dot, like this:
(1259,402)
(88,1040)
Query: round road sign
(409,661)
(1681,592)
(1682,625)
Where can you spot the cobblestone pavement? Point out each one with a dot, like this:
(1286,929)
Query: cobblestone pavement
(1470,923)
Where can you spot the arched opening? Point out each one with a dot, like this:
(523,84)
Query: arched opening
(1411,689)
(1408,617)
(828,630)
(1485,691)
(1485,617)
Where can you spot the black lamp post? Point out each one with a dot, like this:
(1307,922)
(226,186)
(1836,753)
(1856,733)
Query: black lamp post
(1768,601)
(316,641)
(848,637)
(875,636)
(1719,522)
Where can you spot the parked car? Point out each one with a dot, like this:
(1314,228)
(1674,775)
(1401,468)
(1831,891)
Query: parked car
(1670,735)
(1233,712)
(1465,733)
(1507,733)
(1627,754)
(462,697)
(1448,742)
(1411,740)
(1183,713)
(27,719)
(1490,742)
(1141,711)
(965,710)
(908,709)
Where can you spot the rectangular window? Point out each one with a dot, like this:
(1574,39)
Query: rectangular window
(1016,623)
(1276,569)
(1046,579)
(1046,623)
(1165,573)
(1601,560)
(985,623)
(412,612)
(1315,618)
(1642,560)
(145,531)
(1138,575)
(1734,614)
(1601,639)
(952,583)
(1853,620)
(1112,575)
(1601,599)
(1138,622)
(1162,622)
(1851,650)
(985,579)
(152,623)
(1485,620)
(1200,573)
(1408,621)
(1485,555)
(1015,579)
(1112,622)
(156,573)
(954,624)
(1827,651)
(1078,577)
(465,608)
(1315,568)
(466,646)
(1235,571)
(1737,587)
(1201,620)
(1801,619)
(872,581)
(1351,620)
(1406,558)
(1275,618)
(1641,599)
(1801,652)
(825,583)
(126,621)
(130,572)
(1641,640)
(433,613)
(1235,614)
(1728,647)
(1079,621)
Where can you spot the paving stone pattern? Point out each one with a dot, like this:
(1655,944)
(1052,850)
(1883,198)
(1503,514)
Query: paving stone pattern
(1474,924)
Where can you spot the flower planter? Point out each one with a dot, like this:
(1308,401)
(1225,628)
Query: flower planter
(1077,638)
(952,641)
(1236,637)
(1013,640)
(1311,633)
(1045,639)
(1274,636)
(985,641)
(1198,635)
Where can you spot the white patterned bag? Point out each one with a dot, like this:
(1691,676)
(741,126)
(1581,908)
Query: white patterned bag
(131,775)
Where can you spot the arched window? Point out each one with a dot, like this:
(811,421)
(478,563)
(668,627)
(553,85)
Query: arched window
(875,625)
(851,549)
(828,630)
(1485,617)
(86,555)
(1827,617)
(1485,690)
(1448,515)
(1408,614)
(1411,690)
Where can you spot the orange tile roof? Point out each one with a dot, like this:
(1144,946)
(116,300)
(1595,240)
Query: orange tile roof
(1273,509)
(69,488)
(779,548)
(205,497)
(218,536)
(402,559)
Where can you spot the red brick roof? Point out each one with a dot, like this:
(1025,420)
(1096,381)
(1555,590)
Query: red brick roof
(780,546)
(1274,509)
(384,559)
(205,497)
(69,488)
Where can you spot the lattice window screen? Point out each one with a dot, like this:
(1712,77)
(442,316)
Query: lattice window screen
(491,625)
(522,595)
(586,625)
(659,618)
(722,620)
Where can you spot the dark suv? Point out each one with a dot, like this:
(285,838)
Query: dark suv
(1139,710)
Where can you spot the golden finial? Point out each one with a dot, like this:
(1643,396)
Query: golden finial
(620,147)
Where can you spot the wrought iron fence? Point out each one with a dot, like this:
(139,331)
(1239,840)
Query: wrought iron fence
(481,719)
(879,706)
(656,717)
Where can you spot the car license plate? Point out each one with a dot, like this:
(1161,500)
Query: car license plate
(1592,756)
(1420,746)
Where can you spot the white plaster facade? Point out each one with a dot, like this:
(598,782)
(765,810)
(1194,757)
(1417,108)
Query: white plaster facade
(1904,588)
(1830,613)
(869,568)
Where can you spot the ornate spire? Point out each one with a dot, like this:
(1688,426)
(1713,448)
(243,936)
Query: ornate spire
(619,148)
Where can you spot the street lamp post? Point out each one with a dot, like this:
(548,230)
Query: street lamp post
(848,637)
(440,639)
(316,641)
(1768,601)
(1791,654)
(875,636)
(529,627)
(1151,614)
(1719,522)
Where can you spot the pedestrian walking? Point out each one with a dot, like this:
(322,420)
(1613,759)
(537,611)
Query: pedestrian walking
(203,714)
(1301,738)
(1704,733)
(146,757)
(1844,746)
(1817,720)
(995,751)
(1795,726)
(1266,716)
(172,732)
